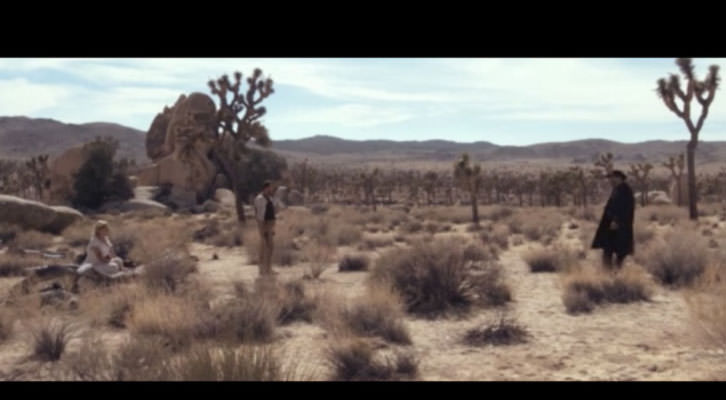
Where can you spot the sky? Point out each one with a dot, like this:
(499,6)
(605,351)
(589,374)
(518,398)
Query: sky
(511,101)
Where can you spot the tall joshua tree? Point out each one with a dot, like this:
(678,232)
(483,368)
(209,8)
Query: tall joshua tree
(237,122)
(704,92)
(676,165)
(469,177)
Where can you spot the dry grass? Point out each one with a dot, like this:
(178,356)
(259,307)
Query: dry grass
(664,215)
(227,233)
(505,332)
(206,363)
(294,303)
(373,242)
(677,260)
(169,271)
(173,318)
(643,234)
(499,235)
(349,263)
(707,305)
(378,313)
(318,256)
(33,240)
(50,339)
(433,278)
(78,234)
(587,288)
(550,259)
(15,264)
(355,361)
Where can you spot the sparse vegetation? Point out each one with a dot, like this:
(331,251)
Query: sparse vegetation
(503,332)
(433,278)
(550,259)
(356,361)
(379,313)
(678,260)
(586,289)
(50,339)
(353,263)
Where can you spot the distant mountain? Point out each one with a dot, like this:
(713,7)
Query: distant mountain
(21,137)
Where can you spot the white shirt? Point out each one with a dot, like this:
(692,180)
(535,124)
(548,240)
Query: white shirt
(261,206)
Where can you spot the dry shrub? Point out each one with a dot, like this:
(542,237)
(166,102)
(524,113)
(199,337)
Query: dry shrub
(355,361)
(550,259)
(351,263)
(707,305)
(294,303)
(373,242)
(220,234)
(664,215)
(538,224)
(169,271)
(477,253)
(498,213)
(174,318)
(432,278)
(588,288)
(33,240)
(346,234)
(499,235)
(378,313)
(140,358)
(15,264)
(643,234)
(413,226)
(50,338)
(318,256)
(505,332)
(206,363)
(678,260)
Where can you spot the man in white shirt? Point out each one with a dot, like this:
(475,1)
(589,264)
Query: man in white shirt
(266,208)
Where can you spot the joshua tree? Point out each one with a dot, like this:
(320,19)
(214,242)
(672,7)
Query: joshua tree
(469,178)
(369,182)
(640,172)
(676,165)
(237,122)
(704,92)
(605,161)
(430,183)
(579,176)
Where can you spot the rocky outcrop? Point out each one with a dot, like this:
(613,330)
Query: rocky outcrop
(30,214)
(178,142)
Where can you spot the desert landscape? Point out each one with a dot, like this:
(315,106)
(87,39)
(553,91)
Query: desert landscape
(394,260)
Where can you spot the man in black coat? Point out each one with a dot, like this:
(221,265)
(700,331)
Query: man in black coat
(615,233)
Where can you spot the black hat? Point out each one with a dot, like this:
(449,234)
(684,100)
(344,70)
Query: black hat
(616,173)
(266,184)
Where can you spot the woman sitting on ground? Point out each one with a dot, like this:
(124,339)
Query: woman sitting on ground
(101,257)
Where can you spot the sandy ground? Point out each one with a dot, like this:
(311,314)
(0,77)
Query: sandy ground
(642,341)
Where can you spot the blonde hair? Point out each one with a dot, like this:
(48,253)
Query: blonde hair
(100,224)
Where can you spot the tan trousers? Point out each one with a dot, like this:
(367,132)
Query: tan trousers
(267,235)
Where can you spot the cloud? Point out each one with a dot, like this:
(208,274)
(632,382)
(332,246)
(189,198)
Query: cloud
(21,97)
(347,115)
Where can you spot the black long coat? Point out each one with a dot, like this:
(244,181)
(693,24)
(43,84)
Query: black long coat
(621,209)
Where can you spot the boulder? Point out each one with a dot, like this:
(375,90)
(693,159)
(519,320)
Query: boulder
(295,198)
(30,214)
(224,197)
